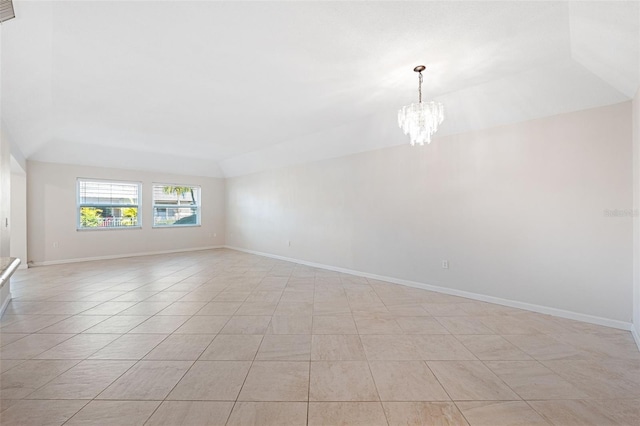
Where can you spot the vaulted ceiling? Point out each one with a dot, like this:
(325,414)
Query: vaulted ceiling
(229,88)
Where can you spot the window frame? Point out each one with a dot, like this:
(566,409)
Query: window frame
(80,205)
(197,206)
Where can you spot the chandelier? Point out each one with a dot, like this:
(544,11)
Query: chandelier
(420,121)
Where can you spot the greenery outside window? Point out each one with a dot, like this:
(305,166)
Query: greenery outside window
(103,204)
(176,205)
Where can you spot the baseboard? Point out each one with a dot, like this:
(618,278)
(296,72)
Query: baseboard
(636,334)
(606,322)
(119,256)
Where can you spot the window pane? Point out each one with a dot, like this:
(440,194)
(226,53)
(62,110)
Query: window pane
(108,217)
(175,216)
(104,205)
(107,193)
(176,205)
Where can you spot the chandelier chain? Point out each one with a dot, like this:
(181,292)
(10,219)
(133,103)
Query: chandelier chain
(420,87)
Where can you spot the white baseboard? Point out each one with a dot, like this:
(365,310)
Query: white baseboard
(606,322)
(635,332)
(119,256)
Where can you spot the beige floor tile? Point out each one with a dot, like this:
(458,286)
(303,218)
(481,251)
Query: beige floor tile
(202,325)
(377,325)
(160,324)
(532,380)
(470,380)
(423,413)
(341,381)
(601,379)
(276,381)
(285,347)
(463,325)
(83,381)
(8,364)
(117,324)
(146,308)
(331,308)
(346,413)
(232,296)
(420,325)
(622,411)
(573,413)
(334,324)
(492,348)
(32,323)
(114,413)
(340,347)
(25,378)
(268,414)
(294,308)
(212,380)
(500,413)
(246,325)
(392,348)
(75,324)
(6,338)
(179,347)
(296,295)
(109,308)
(257,308)
(182,308)
(406,381)
(441,347)
(219,308)
(31,346)
(191,413)
(80,346)
(130,346)
(283,324)
(147,380)
(545,348)
(233,347)
(40,413)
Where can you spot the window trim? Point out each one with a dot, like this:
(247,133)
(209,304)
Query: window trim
(198,206)
(79,205)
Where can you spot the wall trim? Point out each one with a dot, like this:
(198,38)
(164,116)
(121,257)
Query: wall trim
(119,256)
(635,332)
(606,322)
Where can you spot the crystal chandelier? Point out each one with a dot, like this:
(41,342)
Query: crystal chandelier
(420,121)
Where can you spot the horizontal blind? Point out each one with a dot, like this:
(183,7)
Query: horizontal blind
(6,10)
(107,193)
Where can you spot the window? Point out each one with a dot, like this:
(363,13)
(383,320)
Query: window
(175,205)
(108,204)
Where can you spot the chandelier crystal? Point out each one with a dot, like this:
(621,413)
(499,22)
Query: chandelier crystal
(420,121)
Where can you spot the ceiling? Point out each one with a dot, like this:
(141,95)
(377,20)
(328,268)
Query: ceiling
(230,88)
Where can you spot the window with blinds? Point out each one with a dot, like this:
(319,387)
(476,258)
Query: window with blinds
(108,204)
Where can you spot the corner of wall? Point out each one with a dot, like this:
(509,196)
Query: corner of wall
(636,218)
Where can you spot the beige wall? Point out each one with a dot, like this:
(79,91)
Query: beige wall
(518,211)
(51,216)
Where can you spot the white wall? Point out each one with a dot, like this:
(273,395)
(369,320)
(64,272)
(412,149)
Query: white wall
(636,217)
(518,211)
(19,217)
(51,215)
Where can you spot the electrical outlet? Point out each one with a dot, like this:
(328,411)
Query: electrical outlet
(289,243)
(445,264)
(55,245)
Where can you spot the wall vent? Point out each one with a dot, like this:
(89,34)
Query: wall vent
(6,10)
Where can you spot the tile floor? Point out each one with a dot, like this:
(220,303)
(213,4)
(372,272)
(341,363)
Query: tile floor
(221,337)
